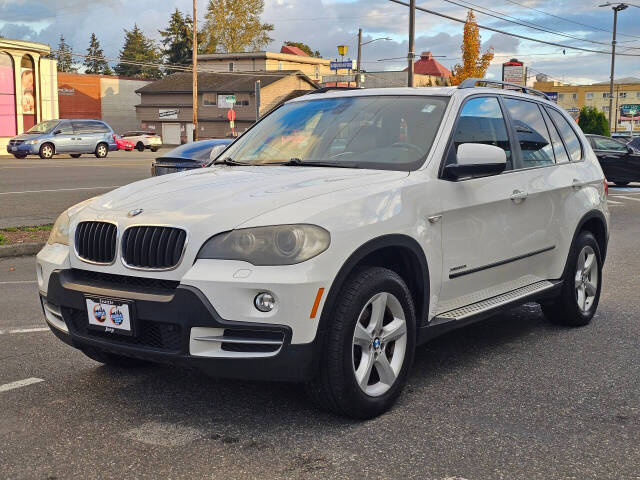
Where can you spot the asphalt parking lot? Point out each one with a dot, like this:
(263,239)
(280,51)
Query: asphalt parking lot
(511,398)
(34,191)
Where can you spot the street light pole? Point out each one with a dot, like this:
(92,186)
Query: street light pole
(195,71)
(412,35)
(359,58)
(616,8)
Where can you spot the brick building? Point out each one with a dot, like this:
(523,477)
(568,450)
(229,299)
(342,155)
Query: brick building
(166,105)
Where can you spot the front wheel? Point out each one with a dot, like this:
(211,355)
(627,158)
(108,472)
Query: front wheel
(580,293)
(621,184)
(46,151)
(19,156)
(369,347)
(140,147)
(102,150)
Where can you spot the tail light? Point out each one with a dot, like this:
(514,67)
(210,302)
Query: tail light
(606,188)
(114,136)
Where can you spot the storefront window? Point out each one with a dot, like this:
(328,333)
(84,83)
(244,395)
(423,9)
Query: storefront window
(28,83)
(7,97)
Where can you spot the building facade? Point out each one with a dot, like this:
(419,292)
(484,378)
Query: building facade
(166,105)
(28,87)
(289,58)
(101,97)
(573,97)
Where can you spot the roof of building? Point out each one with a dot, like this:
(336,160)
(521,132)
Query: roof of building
(271,55)
(290,49)
(218,82)
(24,45)
(621,81)
(427,65)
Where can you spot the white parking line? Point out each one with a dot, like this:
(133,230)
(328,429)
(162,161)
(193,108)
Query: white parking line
(628,198)
(24,330)
(61,190)
(613,202)
(18,282)
(20,383)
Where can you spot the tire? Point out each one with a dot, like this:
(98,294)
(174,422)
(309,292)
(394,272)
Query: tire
(112,359)
(47,150)
(102,150)
(336,387)
(75,155)
(140,146)
(20,156)
(154,149)
(621,184)
(581,287)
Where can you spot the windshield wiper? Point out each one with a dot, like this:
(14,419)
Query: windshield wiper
(228,161)
(297,162)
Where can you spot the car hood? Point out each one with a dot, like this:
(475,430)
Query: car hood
(28,136)
(221,198)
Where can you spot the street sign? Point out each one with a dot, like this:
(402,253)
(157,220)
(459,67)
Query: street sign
(347,64)
(168,113)
(232,124)
(513,72)
(230,99)
(231,115)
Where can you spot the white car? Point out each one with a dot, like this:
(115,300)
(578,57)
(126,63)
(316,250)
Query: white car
(142,140)
(339,233)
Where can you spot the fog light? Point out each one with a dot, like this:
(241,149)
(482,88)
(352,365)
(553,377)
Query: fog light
(265,302)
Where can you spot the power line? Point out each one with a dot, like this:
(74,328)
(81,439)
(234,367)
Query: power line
(524,37)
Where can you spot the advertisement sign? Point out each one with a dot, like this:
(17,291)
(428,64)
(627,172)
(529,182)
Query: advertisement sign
(347,64)
(28,100)
(168,113)
(553,96)
(513,72)
(629,111)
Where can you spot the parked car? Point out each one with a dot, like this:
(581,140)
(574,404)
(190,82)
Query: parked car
(619,161)
(189,156)
(142,140)
(635,143)
(123,144)
(290,260)
(74,137)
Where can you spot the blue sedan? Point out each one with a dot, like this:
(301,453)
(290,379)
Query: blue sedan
(189,156)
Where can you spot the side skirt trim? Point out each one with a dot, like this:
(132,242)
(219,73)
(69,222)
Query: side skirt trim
(501,262)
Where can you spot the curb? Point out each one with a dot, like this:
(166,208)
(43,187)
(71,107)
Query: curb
(20,249)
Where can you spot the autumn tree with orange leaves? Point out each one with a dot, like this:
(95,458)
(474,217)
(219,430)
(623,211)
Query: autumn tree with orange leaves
(473,64)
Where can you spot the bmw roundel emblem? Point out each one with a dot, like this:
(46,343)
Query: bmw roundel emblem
(135,212)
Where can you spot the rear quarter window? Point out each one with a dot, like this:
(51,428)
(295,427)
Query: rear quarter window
(568,134)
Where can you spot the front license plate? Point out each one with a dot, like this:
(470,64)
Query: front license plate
(110,315)
(14,149)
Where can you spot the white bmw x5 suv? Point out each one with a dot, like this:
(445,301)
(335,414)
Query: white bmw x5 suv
(335,236)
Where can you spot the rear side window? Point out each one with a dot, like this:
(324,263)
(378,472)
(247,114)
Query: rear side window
(531,133)
(558,147)
(101,127)
(568,134)
(481,121)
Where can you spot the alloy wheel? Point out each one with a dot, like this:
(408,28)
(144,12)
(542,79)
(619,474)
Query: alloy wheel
(47,151)
(379,344)
(586,278)
(102,151)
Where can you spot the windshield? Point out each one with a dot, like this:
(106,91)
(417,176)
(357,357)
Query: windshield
(377,132)
(44,127)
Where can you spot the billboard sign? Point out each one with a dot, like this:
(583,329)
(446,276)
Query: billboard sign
(553,96)
(168,113)
(629,111)
(513,72)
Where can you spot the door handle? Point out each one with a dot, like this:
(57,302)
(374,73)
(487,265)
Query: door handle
(577,184)
(518,196)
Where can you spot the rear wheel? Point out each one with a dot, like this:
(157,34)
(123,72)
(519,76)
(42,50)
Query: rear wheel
(154,149)
(369,346)
(580,294)
(140,146)
(112,359)
(46,151)
(75,155)
(621,184)
(102,150)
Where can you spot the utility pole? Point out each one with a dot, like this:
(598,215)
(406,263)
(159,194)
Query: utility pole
(359,58)
(616,8)
(195,70)
(412,35)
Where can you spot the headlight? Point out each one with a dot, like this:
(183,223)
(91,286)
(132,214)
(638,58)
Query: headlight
(60,230)
(276,245)
(31,142)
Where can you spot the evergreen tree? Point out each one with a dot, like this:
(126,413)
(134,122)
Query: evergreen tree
(593,121)
(95,61)
(177,39)
(235,26)
(305,48)
(141,50)
(64,58)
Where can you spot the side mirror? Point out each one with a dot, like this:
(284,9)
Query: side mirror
(476,160)
(630,149)
(57,132)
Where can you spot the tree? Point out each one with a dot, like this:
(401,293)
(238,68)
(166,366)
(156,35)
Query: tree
(95,61)
(305,48)
(177,39)
(142,52)
(64,58)
(473,65)
(235,26)
(593,121)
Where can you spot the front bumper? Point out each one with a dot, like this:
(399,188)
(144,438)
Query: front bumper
(172,323)
(23,149)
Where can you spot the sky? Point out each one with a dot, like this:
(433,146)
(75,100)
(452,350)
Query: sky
(324,24)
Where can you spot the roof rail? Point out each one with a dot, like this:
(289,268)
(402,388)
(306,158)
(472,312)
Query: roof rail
(329,89)
(472,82)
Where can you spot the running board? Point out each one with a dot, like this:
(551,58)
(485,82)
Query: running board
(492,303)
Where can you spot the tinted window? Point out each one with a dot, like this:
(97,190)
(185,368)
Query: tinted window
(556,141)
(101,127)
(531,132)
(568,134)
(481,121)
(65,128)
(603,143)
